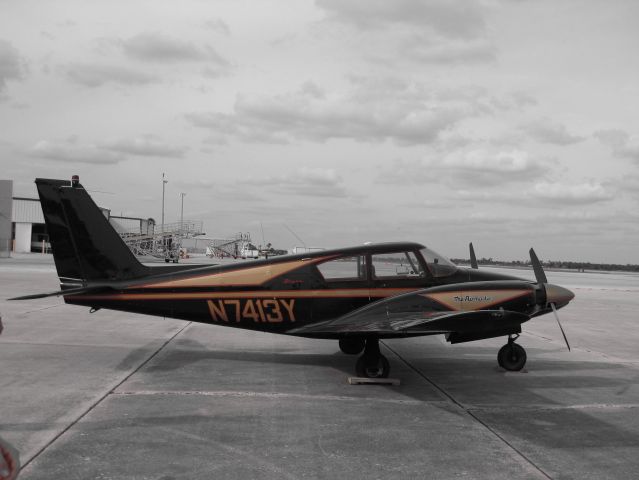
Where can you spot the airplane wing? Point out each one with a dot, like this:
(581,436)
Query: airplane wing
(413,314)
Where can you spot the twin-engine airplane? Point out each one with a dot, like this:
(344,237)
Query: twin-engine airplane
(355,295)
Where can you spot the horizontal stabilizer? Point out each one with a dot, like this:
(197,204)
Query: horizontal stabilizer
(69,291)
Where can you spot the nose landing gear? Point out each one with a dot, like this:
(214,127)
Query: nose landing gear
(372,364)
(512,356)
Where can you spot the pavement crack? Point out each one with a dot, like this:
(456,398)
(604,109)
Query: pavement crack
(101,398)
(470,411)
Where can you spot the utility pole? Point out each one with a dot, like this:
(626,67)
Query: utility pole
(182,213)
(164,182)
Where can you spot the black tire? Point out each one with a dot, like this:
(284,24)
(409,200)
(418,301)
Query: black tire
(376,367)
(352,345)
(512,357)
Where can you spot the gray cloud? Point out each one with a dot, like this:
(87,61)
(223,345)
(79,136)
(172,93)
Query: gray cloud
(571,194)
(472,167)
(371,112)
(12,66)
(70,151)
(421,49)
(93,75)
(147,146)
(622,144)
(547,131)
(157,47)
(314,182)
(450,18)
(218,26)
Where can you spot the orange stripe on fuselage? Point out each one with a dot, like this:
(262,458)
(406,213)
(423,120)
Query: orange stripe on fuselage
(245,276)
(337,293)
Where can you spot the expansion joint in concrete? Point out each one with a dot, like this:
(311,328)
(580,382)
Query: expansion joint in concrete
(100,399)
(470,413)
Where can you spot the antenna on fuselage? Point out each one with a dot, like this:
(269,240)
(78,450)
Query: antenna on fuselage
(473,259)
(295,235)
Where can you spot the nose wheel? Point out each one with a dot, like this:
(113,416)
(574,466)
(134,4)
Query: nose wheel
(512,357)
(372,364)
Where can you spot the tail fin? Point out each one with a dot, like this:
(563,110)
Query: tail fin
(85,246)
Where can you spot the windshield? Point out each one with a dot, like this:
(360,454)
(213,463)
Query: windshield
(439,266)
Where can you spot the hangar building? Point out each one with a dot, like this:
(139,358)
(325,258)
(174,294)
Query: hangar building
(22,227)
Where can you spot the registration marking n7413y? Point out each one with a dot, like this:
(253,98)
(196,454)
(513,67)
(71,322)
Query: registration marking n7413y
(266,310)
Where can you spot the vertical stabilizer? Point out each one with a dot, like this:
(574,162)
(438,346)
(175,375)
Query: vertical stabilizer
(85,246)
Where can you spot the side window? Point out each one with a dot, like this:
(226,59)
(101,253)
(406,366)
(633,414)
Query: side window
(396,265)
(344,268)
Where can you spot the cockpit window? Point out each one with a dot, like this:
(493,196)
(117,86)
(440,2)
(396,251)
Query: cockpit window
(344,268)
(396,265)
(439,266)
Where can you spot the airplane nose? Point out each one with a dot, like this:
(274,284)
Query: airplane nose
(560,296)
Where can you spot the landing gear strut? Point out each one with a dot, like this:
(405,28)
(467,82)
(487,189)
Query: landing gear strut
(512,356)
(372,364)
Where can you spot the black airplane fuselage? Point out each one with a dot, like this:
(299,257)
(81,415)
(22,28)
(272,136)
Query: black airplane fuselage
(284,293)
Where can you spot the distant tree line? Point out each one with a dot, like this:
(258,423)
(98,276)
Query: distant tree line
(552,264)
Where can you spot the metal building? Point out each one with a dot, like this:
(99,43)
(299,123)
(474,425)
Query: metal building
(6,199)
(22,229)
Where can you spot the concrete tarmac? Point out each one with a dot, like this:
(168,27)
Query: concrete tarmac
(112,395)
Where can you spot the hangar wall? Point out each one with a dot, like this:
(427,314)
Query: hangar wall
(6,200)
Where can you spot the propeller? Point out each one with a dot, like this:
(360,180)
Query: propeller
(473,259)
(554,293)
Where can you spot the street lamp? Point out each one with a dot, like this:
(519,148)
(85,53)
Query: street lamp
(182,213)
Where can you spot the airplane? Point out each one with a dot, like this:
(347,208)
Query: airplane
(356,295)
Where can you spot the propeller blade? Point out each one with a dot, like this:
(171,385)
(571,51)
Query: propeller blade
(473,259)
(536,264)
(554,310)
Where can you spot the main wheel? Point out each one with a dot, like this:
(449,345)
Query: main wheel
(512,357)
(372,367)
(352,345)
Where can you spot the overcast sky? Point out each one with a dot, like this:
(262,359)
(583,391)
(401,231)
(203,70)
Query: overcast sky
(507,123)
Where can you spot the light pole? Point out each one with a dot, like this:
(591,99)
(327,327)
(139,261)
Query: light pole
(164,182)
(182,213)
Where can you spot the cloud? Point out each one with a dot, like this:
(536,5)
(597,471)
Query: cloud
(12,66)
(578,194)
(450,18)
(547,131)
(92,75)
(218,26)
(487,167)
(406,114)
(146,146)
(314,182)
(623,145)
(160,48)
(421,48)
(474,168)
(70,151)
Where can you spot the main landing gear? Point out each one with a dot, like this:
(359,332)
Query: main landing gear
(352,345)
(512,356)
(372,364)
